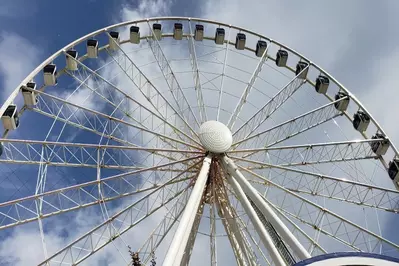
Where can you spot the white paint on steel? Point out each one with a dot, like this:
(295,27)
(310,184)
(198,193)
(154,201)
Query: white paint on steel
(180,239)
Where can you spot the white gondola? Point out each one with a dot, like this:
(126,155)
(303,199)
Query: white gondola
(10,117)
(114,39)
(135,34)
(240,41)
(29,95)
(157,29)
(199,32)
(92,48)
(343,104)
(50,75)
(322,83)
(178,31)
(302,69)
(361,121)
(281,58)
(219,36)
(261,47)
(71,57)
(393,171)
(379,147)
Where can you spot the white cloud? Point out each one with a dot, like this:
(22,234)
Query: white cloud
(145,9)
(380,99)
(18,58)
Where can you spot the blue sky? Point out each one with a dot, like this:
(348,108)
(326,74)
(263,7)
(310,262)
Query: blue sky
(357,42)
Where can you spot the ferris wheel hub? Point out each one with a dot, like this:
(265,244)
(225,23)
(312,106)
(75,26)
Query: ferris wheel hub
(215,136)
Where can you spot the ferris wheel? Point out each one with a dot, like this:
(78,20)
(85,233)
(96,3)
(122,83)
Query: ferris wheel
(182,141)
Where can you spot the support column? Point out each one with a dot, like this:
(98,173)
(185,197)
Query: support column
(257,223)
(180,239)
(193,235)
(266,210)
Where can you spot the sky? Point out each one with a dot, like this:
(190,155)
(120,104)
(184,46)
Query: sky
(357,42)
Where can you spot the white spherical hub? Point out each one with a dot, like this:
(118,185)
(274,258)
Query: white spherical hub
(215,136)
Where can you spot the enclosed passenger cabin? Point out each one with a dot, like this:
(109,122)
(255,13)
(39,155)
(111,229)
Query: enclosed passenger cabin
(92,48)
(361,121)
(29,95)
(240,41)
(219,36)
(261,47)
(50,75)
(393,171)
(157,31)
(302,69)
(178,31)
(10,117)
(379,147)
(71,60)
(114,39)
(281,58)
(342,104)
(199,32)
(135,34)
(322,83)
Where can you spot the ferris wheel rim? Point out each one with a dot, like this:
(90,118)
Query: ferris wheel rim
(28,78)
(198,149)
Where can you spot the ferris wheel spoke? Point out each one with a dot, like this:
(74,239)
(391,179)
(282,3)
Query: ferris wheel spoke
(316,153)
(84,116)
(255,121)
(118,224)
(17,151)
(101,134)
(196,76)
(226,53)
(147,250)
(151,121)
(292,127)
(83,195)
(340,189)
(247,90)
(159,113)
(326,221)
(172,82)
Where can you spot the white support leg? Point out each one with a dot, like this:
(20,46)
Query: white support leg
(266,210)
(180,239)
(193,235)
(257,223)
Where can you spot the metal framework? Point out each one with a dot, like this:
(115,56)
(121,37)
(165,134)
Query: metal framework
(126,148)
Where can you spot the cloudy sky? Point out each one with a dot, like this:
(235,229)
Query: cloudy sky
(355,41)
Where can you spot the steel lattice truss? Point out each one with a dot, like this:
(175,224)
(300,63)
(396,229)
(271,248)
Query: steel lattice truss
(118,139)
